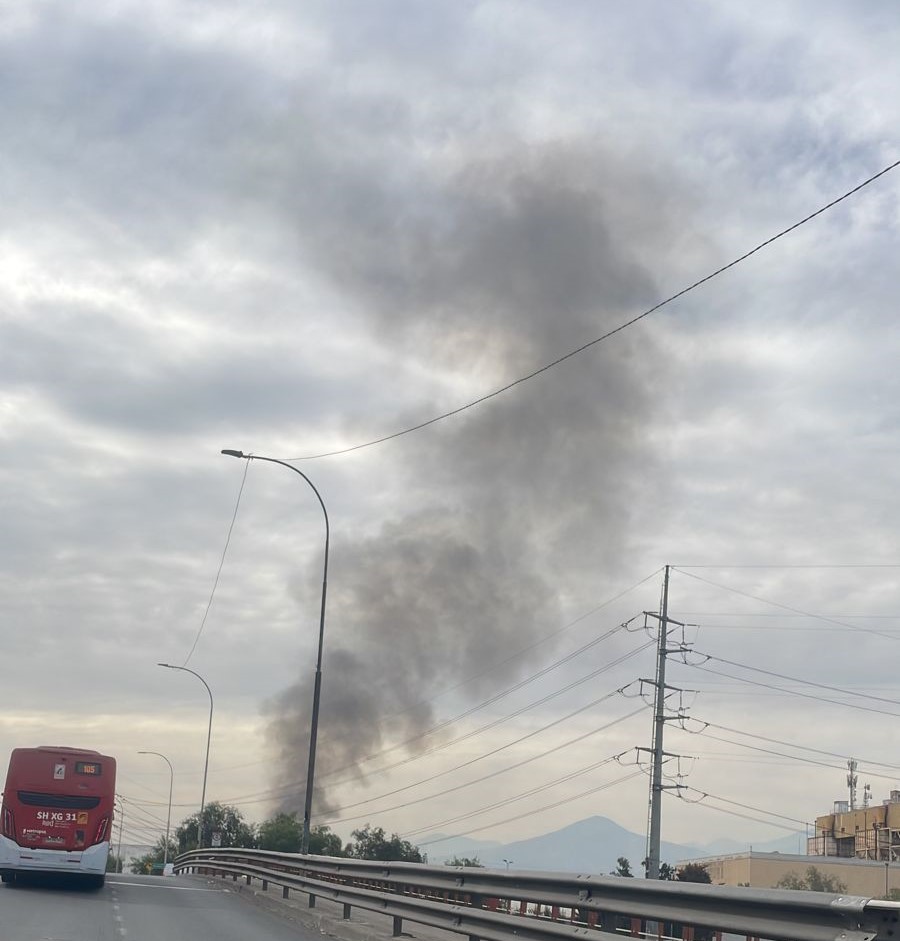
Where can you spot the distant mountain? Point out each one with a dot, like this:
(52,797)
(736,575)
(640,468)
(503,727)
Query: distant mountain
(590,846)
(441,847)
(786,844)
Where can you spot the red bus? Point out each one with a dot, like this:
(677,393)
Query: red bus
(57,812)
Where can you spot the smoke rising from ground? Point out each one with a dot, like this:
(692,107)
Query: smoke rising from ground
(458,242)
(515,262)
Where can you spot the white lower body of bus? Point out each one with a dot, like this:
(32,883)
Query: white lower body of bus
(89,862)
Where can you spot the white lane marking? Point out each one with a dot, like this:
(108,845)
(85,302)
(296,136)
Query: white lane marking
(117,917)
(173,888)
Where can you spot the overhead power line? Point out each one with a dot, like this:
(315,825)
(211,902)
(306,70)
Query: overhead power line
(800,565)
(534,812)
(493,774)
(493,668)
(286,789)
(778,741)
(794,692)
(212,593)
(609,333)
(506,801)
(743,805)
(778,754)
(787,607)
(796,679)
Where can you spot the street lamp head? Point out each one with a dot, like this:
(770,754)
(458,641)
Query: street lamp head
(168,666)
(232,453)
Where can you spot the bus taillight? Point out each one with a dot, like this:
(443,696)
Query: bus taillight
(101,830)
(9,823)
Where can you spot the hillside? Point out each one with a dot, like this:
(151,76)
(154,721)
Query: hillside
(590,846)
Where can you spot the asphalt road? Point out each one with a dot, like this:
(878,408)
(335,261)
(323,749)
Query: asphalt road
(139,908)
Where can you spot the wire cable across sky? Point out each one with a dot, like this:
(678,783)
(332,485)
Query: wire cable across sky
(610,333)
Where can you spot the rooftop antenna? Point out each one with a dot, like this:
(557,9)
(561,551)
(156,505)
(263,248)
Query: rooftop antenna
(867,795)
(852,778)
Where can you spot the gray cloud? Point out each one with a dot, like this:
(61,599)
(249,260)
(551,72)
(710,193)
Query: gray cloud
(291,231)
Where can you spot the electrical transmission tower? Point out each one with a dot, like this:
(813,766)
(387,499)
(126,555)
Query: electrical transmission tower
(659,721)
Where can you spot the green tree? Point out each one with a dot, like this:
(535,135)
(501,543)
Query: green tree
(143,865)
(282,833)
(814,881)
(791,881)
(666,872)
(371,843)
(217,818)
(322,842)
(623,868)
(693,872)
(470,861)
(113,863)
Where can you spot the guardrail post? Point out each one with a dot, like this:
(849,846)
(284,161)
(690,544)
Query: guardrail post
(346,911)
(248,878)
(312,901)
(265,885)
(285,891)
(234,876)
(397,930)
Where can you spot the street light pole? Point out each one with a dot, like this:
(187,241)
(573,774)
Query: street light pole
(169,666)
(317,689)
(119,866)
(169,814)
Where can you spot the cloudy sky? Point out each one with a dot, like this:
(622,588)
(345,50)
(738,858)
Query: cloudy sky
(297,229)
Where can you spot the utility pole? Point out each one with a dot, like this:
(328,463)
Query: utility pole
(119,865)
(659,722)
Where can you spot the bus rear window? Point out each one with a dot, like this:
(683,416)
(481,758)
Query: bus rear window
(71,801)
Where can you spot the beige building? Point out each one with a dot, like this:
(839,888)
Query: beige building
(860,848)
(864,833)
(762,870)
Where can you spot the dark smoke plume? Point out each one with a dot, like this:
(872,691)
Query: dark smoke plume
(504,267)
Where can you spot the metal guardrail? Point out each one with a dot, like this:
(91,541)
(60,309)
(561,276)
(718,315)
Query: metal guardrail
(497,905)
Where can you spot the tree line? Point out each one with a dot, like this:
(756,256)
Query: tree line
(814,879)
(281,832)
(689,872)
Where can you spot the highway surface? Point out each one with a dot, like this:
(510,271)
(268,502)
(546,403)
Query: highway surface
(139,908)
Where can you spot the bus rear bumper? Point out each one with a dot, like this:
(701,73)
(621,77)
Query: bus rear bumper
(15,858)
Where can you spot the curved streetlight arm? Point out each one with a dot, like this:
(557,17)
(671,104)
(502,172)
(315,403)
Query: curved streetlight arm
(317,689)
(169,815)
(170,666)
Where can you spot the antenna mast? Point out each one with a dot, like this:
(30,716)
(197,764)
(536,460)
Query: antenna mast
(852,778)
